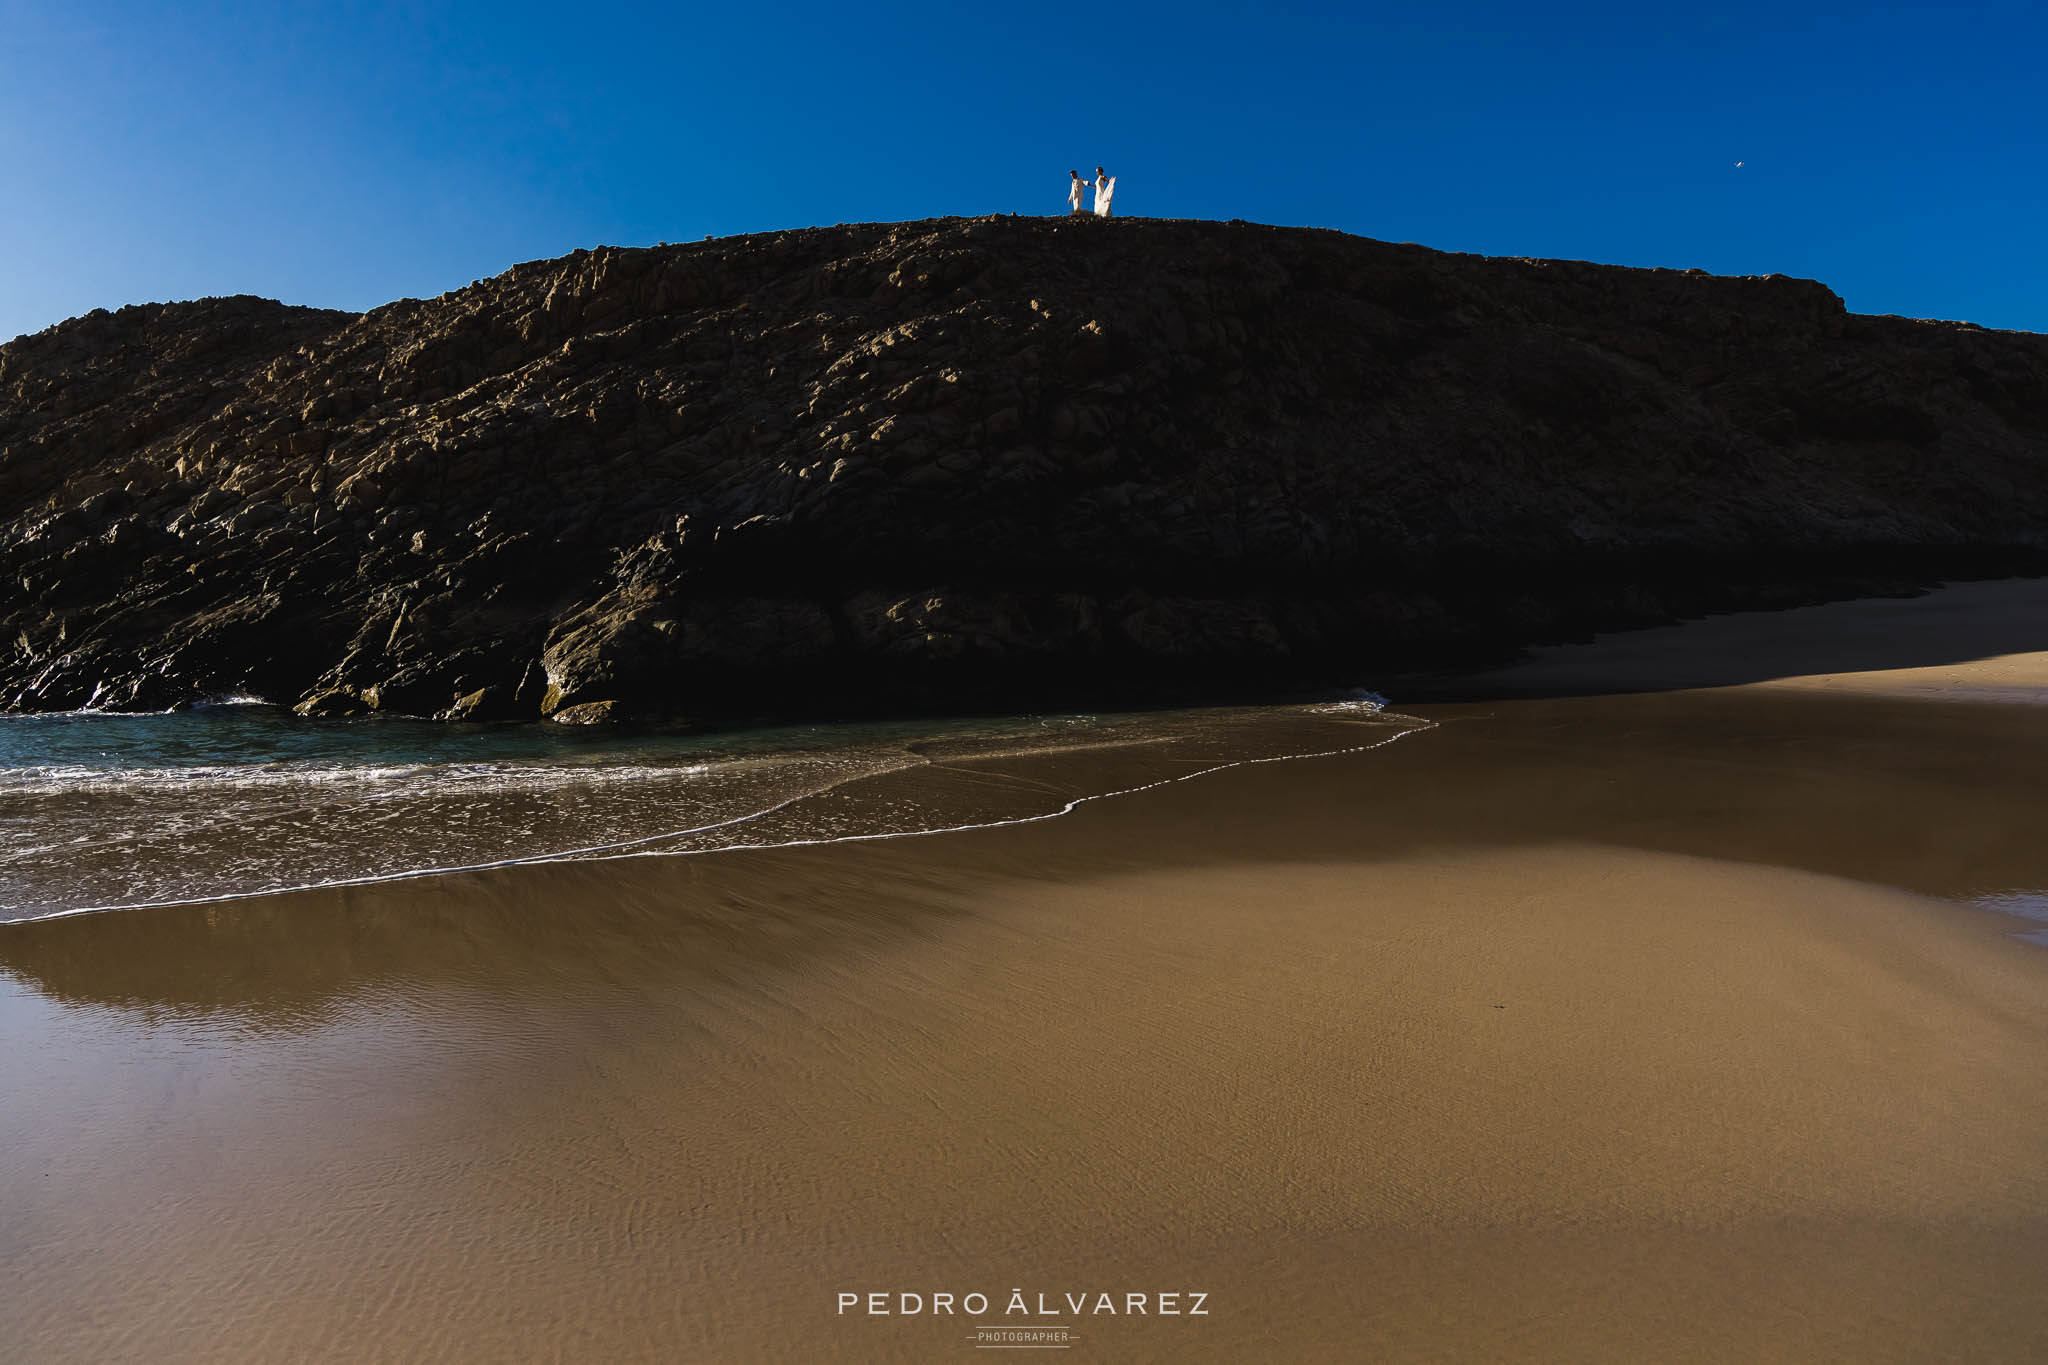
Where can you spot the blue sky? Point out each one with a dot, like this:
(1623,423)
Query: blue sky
(348,154)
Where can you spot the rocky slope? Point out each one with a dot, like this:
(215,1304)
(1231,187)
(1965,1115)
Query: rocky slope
(987,462)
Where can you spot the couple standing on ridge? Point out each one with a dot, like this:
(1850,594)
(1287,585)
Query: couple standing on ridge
(1105,186)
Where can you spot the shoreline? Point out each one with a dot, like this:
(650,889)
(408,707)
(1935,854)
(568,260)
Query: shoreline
(1354,728)
(1595,1027)
(1960,643)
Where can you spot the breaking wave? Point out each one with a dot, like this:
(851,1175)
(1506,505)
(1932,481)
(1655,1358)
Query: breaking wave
(101,811)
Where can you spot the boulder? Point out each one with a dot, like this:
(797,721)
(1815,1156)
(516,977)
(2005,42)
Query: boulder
(587,713)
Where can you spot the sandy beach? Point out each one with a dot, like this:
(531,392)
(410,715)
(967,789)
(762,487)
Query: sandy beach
(1645,1007)
(1964,642)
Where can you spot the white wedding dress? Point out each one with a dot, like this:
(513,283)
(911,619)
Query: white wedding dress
(1105,186)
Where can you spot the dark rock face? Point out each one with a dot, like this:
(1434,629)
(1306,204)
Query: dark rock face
(989,462)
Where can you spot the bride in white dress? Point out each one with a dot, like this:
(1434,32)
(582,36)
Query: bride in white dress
(1105,187)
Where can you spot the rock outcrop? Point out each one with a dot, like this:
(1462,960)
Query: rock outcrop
(973,463)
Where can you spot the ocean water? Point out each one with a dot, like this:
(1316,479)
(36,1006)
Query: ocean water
(107,811)
(2030,905)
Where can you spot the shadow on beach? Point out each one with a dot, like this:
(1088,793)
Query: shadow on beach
(1958,624)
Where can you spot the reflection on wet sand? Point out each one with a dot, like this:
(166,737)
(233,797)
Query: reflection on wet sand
(1573,1029)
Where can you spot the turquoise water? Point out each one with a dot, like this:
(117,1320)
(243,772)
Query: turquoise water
(101,811)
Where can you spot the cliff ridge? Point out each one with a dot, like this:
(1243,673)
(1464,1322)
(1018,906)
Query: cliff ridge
(995,462)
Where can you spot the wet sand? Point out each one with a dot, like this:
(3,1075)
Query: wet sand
(1596,1027)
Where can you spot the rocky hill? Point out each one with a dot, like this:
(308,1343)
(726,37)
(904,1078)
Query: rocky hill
(986,462)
